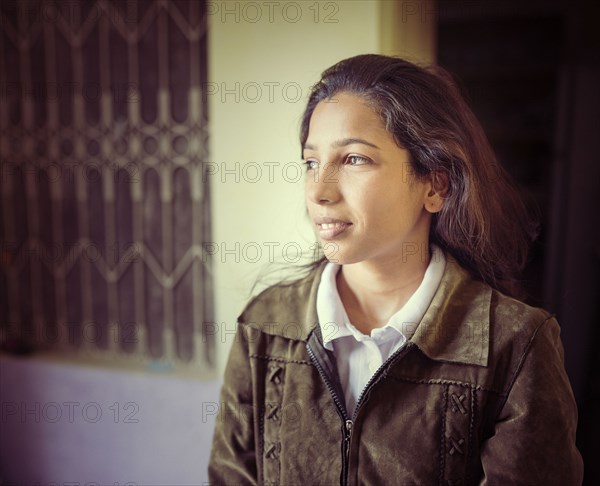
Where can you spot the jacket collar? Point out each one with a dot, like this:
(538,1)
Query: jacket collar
(455,327)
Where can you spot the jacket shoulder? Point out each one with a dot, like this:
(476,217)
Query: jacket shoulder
(512,318)
(518,330)
(287,309)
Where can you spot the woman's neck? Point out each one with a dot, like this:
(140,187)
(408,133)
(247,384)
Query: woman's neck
(372,293)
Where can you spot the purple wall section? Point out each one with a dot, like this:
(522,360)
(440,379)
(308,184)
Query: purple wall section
(68,424)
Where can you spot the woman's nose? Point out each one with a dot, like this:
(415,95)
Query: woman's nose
(322,185)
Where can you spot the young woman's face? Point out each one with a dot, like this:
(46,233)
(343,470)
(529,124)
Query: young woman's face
(361,195)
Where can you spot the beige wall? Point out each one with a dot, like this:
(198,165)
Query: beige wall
(263,57)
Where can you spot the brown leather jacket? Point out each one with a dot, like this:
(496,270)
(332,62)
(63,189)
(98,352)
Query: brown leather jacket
(479,395)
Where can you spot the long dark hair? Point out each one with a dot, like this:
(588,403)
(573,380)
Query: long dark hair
(484,223)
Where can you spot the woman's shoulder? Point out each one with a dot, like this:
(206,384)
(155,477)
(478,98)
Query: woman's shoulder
(516,316)
(288,303)
(468,321)
(507,312)
(519,326)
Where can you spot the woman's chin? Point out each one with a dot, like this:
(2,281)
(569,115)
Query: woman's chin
(337,255)
(331,251)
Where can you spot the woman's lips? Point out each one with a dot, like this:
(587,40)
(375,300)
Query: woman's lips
(330,228)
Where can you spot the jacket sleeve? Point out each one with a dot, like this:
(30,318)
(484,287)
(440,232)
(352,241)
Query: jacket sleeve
(534,434)
(233,458)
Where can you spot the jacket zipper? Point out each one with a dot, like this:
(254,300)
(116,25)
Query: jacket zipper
(341,409)
(375,378)
(349,422)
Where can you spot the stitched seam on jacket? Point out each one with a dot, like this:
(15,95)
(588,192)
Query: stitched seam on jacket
(440,381)
(520,366)
(261,435)
(443,435)
(257,419)
(471,427)
(280,360)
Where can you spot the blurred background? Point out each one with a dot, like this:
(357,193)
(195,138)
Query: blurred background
(150,173)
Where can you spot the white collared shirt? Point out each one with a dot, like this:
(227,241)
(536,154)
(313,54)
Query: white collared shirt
(357,355)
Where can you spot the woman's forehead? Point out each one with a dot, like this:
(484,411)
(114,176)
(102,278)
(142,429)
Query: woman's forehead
(345,116)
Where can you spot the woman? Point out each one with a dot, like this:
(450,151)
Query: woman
(403,358)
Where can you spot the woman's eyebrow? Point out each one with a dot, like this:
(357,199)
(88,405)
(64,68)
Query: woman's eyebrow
(351,141)
(343,143)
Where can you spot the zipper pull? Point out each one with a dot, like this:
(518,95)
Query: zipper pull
(349,429)
(348,434)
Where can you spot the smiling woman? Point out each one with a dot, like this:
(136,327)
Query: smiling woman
(411,362)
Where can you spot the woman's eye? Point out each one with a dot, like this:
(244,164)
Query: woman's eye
(311,164)
(356,160)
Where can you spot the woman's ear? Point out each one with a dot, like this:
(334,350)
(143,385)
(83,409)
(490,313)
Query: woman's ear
(438,189)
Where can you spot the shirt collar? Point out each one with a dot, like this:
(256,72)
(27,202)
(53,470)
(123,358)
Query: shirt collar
(332,316)
(333,319)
